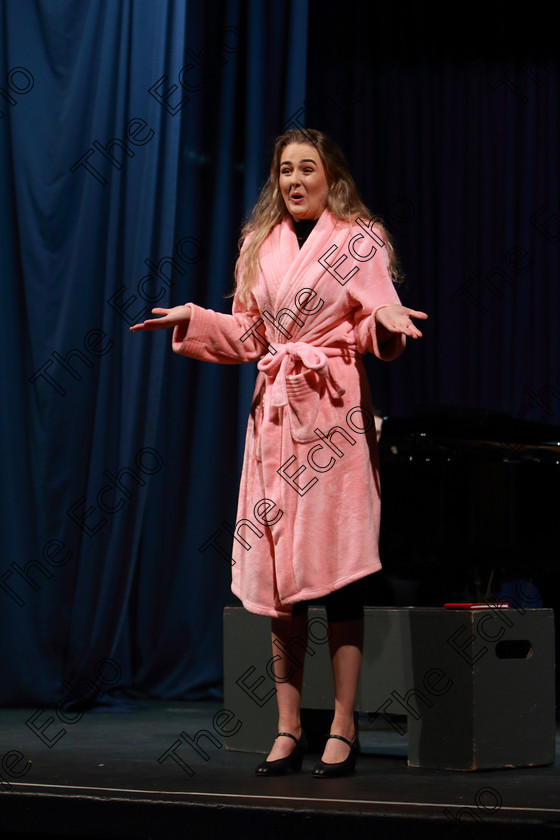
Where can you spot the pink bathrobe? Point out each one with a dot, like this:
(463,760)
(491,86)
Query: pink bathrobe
(309,506)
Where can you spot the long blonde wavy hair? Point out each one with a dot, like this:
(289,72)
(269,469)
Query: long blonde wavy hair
(343,202)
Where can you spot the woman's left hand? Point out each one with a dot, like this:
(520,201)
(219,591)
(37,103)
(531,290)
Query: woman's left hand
(396,319)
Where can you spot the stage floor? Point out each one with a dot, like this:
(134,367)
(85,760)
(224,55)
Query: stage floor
(102,779)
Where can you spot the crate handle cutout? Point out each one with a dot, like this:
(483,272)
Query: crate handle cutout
(514,649)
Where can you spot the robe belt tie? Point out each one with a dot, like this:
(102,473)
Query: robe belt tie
(313,358)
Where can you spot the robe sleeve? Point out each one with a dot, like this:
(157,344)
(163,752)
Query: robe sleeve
(369,290)
(217,337)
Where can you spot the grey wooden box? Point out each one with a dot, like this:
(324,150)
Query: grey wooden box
(477,686)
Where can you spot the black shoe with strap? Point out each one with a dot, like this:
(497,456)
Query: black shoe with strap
(327,770)
(290,763)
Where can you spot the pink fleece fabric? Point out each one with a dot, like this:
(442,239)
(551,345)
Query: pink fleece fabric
(309,504)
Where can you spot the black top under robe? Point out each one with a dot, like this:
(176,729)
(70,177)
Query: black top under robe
(303,228)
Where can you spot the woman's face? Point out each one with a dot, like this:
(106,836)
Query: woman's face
(302,181)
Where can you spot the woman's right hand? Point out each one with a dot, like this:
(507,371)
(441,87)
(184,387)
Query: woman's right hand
(171,318)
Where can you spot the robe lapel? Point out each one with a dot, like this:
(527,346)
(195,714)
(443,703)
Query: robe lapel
(285,268)
(277,255)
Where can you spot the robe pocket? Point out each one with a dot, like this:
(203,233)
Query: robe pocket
(308,401)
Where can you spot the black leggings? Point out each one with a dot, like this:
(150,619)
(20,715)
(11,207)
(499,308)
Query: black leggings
(346,604)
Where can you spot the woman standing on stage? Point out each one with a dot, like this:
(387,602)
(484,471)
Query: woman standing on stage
(314,292)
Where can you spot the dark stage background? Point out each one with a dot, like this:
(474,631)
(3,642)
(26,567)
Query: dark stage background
(134,137)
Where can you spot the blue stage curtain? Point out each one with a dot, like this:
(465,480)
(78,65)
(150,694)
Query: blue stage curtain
(134,138)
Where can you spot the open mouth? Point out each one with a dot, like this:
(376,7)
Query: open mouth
(296,197)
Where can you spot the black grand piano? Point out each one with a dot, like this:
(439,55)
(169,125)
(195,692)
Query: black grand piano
(470,499)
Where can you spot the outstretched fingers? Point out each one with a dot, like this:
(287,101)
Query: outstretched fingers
(153,323)
(412,330)
(410,327)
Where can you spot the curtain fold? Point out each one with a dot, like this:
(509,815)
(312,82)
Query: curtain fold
(127,174)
